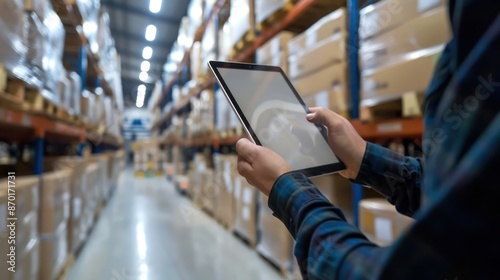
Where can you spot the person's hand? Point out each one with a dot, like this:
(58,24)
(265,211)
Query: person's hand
(343,139)
(260,166)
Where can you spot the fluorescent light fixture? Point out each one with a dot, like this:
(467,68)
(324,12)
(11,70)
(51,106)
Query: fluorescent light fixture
(155,6)
(150,32)
(145,66)
(141,94)
(141,88)
(143,76)
(147,53)
(139,105)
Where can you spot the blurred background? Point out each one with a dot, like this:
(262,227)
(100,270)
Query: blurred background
(117,147)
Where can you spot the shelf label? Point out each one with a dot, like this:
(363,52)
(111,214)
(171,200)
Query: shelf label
(389,127)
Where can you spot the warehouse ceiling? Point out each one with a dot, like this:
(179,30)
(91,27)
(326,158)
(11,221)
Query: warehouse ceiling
(129,21)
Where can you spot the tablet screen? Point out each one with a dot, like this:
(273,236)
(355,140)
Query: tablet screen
(277,117)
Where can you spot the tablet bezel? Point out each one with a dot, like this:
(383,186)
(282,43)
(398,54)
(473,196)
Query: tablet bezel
(214,65)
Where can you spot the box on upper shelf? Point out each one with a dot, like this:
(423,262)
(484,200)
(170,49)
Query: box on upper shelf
(412,73)
(426,30)
(328,52)
(328,26)
(327,88)
(387,14)
(277,45)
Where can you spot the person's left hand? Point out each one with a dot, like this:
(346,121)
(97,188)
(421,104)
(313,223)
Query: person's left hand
(260,166)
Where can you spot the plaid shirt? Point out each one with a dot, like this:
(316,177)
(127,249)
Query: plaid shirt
(456,201)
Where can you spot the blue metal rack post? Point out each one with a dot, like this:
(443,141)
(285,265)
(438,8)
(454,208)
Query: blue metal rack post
(354,86)
(39,145)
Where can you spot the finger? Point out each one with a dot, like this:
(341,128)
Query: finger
(325,117)
(246,149)
(244,167)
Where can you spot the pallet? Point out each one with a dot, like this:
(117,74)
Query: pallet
(406,106)
(276,16)
(68,263)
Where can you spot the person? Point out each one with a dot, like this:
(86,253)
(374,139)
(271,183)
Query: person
(455,202)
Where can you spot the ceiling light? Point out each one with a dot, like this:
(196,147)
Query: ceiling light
(150,32)
(141,94)
(147,53)
(143,76)
(155,6)
(141,88)
(145,66)
(139,105)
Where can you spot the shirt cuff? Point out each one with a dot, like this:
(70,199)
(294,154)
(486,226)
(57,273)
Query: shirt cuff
(290,193)
(377,161)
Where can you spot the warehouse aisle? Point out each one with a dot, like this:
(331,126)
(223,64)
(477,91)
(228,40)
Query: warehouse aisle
(150,232)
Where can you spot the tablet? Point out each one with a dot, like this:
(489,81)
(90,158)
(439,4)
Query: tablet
(274,116)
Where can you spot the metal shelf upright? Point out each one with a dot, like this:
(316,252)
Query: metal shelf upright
(354,86)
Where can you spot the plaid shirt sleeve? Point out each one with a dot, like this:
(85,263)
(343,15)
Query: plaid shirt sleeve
(453,236)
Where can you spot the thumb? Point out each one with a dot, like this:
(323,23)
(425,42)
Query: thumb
(246,149)
(325,117)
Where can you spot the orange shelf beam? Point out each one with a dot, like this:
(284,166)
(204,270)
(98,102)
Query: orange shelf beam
(398,128)
(40,124)
(293,14)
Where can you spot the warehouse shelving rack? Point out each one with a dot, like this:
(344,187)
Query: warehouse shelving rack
(387,129)
(39,128)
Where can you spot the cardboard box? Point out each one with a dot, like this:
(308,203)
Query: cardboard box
(242,19)
(380,221)
(385,15)
(227,202)
(55,200)
(27,262)
(276,243)
(297,44)
(266,8)
(410,74)
(77,231)
(330,25)
(338,191)
(277,45)
(246,209)
(209,191)
(91,194)
(328,87)
(330,51)
(279,59)
(411,36)
(53,253)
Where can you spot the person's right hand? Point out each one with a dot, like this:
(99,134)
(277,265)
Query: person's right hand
(343,139)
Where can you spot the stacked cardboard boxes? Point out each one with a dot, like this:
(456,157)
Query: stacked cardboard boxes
(148,159)
(276,243)
(24,194)
(264,9)
(318,67)
(338,191)
(398,50)
(226,173)
(380,221)
(242,22)
(54,218)
(275,51)
(245,222)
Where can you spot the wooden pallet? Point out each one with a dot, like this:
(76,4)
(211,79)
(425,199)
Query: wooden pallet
(408,105)
(68,263)
(276,16)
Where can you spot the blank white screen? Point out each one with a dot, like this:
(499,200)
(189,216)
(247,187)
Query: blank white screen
(277,117)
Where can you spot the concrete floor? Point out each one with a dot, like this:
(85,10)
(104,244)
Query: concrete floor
(149,232)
